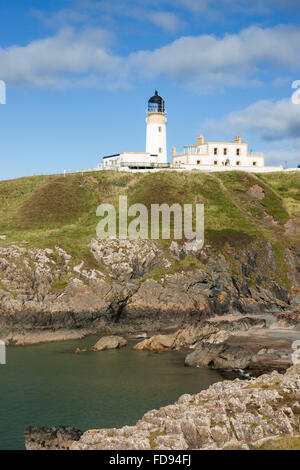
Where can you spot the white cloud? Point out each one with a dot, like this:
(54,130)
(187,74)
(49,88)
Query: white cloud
(91,13)
(60,60)
(66,16)
(202,63)
(216,7)
(206,61)
(167,21)
(142,10)
(272,121)
(287,155)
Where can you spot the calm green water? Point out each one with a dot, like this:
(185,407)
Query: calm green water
(50,385)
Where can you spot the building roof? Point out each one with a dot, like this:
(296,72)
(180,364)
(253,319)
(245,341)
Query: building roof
(158,101)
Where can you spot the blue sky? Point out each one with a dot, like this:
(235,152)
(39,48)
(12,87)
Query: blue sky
(79,74)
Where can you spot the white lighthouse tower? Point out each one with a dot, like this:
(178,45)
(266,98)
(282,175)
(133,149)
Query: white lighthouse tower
(156,135)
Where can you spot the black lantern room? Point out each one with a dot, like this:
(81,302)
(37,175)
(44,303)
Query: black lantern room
(156,104)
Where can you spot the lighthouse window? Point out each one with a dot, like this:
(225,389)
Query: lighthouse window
(159,150)
(159,129)
(198,162)
(215,162)
(238,151)
(225,151)
(238,163)
(215,151)
(153,107)
(254,163)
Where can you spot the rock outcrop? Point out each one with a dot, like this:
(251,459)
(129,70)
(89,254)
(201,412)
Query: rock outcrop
(109,342)
(253,343)
(255,351)
(157,343)
(239,414)
(211,330)
(43,291)
(106,342)
(128,259)
(55,438)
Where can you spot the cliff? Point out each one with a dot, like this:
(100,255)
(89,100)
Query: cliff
(58,281)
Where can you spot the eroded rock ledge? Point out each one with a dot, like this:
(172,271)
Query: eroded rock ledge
(255,343)
(45,294)
(237,414)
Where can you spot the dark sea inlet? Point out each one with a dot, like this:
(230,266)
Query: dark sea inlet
(49,384)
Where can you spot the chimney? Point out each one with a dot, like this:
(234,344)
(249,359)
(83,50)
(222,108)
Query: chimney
(238,140)
(174,152)
(200,139)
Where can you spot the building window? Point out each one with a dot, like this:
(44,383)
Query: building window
(238,163)
(215,162)
(215,151)
(225,151)
(159,129)
(198,162)
(159,150)
(238,151)
(254,163)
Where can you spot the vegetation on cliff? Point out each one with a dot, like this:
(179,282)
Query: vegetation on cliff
(240,208)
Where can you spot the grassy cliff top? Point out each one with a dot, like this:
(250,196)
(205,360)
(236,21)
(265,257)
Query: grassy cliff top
(44,211)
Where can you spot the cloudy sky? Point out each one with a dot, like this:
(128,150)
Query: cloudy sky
(79,74)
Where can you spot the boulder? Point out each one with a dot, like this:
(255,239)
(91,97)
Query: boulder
(156,343)
(109,342)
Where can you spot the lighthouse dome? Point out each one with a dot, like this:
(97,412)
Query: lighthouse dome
(156,104)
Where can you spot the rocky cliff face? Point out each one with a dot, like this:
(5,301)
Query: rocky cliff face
(139,287)
(228,415)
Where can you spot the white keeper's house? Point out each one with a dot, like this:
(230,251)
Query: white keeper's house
(203,156)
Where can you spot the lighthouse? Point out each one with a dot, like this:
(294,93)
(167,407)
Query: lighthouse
(155,156)
(156,135)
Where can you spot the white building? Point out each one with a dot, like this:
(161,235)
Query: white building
(156,143)
(205,156)
(208,156)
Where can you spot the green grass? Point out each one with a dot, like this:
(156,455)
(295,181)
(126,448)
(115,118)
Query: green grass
(287,186)
(189,263)
(238,186)
(57,202)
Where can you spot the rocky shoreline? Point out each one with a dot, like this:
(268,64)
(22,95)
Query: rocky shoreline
(227,309)
(45,296)
(238,414)
(255,344)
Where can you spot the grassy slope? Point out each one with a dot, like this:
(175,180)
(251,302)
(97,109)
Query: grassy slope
(44,211)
